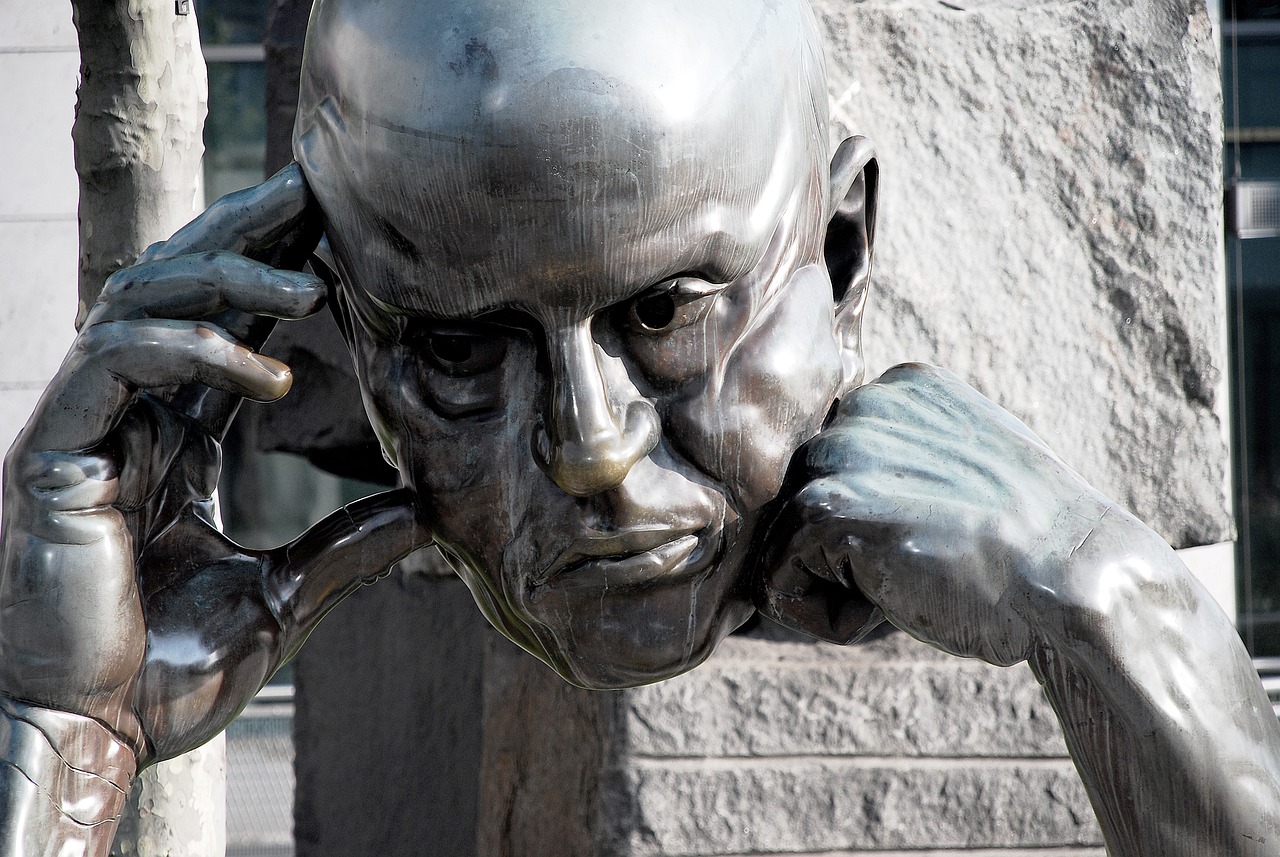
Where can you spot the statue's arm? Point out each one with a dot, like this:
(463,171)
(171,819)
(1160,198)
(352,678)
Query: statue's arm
(64,779)
(927,504)
(1160,706)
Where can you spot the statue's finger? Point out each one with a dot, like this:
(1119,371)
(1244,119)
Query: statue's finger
(237,294)
(205,284)
(799,594)
(940,397)
(112,361)
(164,353)
(277,222)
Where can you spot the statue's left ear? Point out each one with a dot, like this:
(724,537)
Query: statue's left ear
(850,237)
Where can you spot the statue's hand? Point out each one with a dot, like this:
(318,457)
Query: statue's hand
(926,503)
(107,518)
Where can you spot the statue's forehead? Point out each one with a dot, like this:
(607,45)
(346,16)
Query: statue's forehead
(487,227)
(570,77)
(559,151)
(422,59)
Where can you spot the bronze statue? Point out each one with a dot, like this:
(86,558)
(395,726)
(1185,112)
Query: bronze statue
(602,275)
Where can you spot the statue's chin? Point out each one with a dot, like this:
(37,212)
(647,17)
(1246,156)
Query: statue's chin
(614,664)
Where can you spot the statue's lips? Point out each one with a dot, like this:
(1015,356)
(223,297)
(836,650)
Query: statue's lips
(649,557)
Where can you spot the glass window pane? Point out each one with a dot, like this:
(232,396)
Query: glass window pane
(231,22)
(235,131)
(1258,161)
(1255,272)
(1257,84)
(1252,10)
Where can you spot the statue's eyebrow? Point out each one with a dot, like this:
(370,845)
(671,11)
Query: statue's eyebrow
(694,285)
(506,320)
(421,133)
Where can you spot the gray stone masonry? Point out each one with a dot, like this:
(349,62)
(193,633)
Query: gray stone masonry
(775,746)
(779,746)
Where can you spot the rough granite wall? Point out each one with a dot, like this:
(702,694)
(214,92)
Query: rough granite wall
(1050,225)
(780,746)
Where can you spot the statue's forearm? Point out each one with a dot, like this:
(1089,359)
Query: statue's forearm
(1160,705)
(63,783)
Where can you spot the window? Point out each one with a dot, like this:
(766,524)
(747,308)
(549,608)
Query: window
(1251,79)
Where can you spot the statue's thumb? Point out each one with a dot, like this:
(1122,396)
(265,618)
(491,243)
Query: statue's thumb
(798,586)
(354,545)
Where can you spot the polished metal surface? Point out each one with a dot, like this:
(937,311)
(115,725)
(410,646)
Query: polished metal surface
(602,276)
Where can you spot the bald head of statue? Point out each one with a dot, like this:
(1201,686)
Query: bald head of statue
(601,272)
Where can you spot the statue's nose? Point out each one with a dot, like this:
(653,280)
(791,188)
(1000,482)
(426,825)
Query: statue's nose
(596,425)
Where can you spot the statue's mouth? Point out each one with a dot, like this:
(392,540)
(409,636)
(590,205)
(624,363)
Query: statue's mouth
(631,560)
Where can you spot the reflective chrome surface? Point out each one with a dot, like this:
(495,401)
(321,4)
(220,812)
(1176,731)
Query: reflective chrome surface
(602,277)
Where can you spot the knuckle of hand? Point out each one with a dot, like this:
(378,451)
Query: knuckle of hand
(67,480)
(118,283)
(91,338)
(98,338)
(220,258)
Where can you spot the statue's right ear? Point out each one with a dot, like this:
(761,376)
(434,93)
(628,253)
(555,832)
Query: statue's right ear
(850,237)
(326,268)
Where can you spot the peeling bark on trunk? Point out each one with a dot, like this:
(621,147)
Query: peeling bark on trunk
(137,135)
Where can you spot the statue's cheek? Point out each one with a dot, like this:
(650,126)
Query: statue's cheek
(742,422)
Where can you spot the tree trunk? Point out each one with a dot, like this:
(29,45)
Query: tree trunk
(137,135)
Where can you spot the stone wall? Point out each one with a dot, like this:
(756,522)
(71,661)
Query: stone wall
(420,731)
(1050,225)
(783,746)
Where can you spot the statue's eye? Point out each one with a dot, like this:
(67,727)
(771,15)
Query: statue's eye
(458,352)
(670,305)
(655,312)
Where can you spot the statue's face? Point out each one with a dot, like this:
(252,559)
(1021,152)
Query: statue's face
(592,324)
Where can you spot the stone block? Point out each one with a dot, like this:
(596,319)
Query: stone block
(806,805)
(547,748)
(709,764)
(849,702)
(1049,225)
(953,852)
(39,176)
(388,724)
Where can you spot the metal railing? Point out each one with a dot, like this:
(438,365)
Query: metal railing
(260,778)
